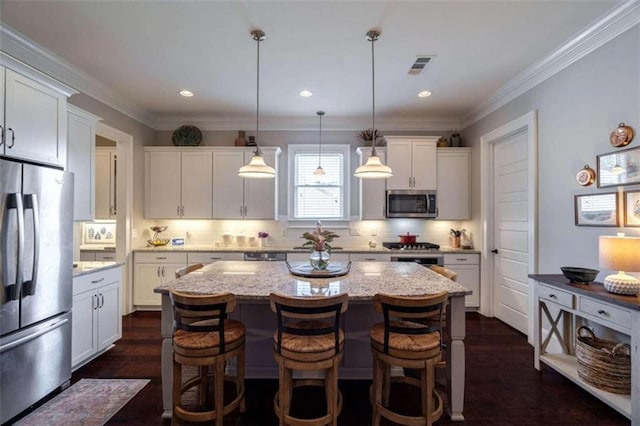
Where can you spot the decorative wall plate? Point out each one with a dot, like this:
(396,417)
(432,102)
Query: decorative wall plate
(621,136)
(586,176)
(186,135)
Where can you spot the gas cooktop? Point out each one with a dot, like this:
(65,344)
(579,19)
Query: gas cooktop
(417,246)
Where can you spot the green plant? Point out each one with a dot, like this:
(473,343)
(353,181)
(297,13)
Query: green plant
(319,239)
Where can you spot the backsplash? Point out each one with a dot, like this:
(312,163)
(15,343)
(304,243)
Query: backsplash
(285,234)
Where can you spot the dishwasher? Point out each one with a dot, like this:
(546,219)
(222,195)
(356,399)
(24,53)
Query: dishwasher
(268,256)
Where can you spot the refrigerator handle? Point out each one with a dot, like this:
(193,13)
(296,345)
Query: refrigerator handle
(31,203)
(14,201)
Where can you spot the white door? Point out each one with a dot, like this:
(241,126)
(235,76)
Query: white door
(510,229)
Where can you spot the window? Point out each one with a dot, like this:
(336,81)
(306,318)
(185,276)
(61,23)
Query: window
(319,197)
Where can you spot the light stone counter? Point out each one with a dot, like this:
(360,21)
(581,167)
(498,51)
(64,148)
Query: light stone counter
(256,280)
(84,268)
(291,249)
(252,282)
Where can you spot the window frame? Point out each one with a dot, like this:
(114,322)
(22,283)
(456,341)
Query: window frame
(345,151)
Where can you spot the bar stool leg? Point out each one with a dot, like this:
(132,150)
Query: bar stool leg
(177,390)
(240,361)
(331,392)
(377,391)
(219,391)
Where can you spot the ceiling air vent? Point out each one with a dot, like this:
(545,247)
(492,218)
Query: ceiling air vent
(420,64)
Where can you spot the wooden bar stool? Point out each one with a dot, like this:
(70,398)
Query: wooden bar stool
(445,272)
(188,269)
(308,338)
(405,340)
(203,337)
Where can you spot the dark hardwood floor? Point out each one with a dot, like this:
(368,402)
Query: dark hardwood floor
(502,387)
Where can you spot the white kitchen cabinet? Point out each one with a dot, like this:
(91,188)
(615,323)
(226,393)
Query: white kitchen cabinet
(454,181)
(205,257)
(150,270)
(467,265)
(372,191)
(369,257)
(98,255)
(35,114)
(106,162)
(413,162)
(96,319)
(239,198)
(81,142)
(178,183)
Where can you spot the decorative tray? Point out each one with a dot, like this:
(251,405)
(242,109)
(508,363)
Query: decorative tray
(306,270)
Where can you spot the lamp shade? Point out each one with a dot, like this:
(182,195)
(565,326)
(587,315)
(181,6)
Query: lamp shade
(257,168)
(373,169)
(619,253)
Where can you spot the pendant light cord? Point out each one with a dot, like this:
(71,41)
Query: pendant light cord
(320,114)
(258,36)
(373,36)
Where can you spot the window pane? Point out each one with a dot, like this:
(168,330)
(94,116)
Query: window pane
(318,196)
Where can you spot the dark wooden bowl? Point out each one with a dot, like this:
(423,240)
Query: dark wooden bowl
(579,275)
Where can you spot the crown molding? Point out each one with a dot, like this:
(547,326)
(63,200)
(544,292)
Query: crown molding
(605,29)
(23,49)
(311,123)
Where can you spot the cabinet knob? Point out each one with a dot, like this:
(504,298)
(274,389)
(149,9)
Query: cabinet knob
(603,312)
(495,251)
(553,296)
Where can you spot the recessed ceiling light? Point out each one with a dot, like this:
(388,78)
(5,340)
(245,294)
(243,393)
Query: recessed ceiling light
(305,93)
(186,93)
(424,94)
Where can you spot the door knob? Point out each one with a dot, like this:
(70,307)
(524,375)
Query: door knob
(494,251)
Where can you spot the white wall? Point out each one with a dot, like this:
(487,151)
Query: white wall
(577,110)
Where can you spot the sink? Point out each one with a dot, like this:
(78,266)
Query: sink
(309,248)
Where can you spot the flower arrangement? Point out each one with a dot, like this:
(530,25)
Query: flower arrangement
(368,134)
(263,234)
(456,232)
(319,239)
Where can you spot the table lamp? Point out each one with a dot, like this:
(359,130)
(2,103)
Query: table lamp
(620,254)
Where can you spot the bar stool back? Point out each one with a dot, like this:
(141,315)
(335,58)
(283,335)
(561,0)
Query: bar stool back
(188,269)
(204,337)
(408,338)
(308,338)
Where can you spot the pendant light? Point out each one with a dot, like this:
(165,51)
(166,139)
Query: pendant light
(257,167)
(373,168)
(319,171)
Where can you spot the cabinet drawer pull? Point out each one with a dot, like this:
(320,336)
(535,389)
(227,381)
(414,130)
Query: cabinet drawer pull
(461,259)
(603,312)
(553,296)
(97,281)
(370,258)
(215,258)
(13,138)
(161,257)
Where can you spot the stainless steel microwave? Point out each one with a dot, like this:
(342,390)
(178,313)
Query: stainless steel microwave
(412,203)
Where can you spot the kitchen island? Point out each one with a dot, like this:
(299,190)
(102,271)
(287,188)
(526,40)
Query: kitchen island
(252,282)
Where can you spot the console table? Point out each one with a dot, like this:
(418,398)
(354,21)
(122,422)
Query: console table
(560,306)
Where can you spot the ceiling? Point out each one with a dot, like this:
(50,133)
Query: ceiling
(145,52)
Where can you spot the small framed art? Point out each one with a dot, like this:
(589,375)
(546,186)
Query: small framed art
(596,209)
(632,208)
(619,168)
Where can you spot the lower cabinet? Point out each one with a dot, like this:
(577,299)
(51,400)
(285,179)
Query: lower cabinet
(151,270)
(468,268)
(96,315)
(97,255)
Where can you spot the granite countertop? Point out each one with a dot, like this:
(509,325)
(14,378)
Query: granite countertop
(256,280)
(84,268)
(290,249)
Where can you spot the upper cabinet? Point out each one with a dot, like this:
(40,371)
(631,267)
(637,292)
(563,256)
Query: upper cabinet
(413,161)
(372,191)
(454,180)
(33,114)
(81,142)
(178,183)
(239,198)
(106,162)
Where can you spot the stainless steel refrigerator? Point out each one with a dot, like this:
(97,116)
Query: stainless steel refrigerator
(36,268)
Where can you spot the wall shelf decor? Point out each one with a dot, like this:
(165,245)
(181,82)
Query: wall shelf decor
(586,176)
(632,208)
(596,209)
(619,168)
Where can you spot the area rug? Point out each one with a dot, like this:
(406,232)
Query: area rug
(87,402)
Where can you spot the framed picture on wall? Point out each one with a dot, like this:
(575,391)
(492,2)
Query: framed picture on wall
(619,168)
(596,209)
(632,208)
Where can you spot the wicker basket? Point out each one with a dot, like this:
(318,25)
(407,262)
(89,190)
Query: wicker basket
(602,363)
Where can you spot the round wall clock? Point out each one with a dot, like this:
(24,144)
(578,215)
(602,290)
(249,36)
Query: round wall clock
(586,176)
(621,136)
